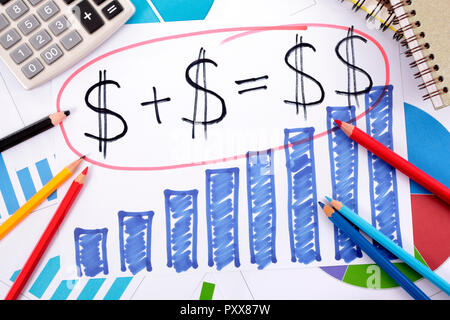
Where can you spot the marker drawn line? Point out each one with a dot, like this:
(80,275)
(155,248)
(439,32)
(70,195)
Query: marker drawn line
(302,197)
(135,230)
(244,32)
(261,208)
(239,82)
(343,153)
(90,251)
(222,204)
(252,89)
(181,229)
(382,177)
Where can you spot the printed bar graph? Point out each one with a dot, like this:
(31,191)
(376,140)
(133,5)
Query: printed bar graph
(302,195)
(181,224)
(64,289)
(45,277)
(135,229)
(261,208)
(222,191)
(45,174)
(6,188)
(11,198)
(90,251)
(117,288)
(91,289)
(343,153)
(382,177)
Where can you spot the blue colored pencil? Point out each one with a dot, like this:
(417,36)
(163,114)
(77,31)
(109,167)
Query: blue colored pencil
(376,255)
(387,243)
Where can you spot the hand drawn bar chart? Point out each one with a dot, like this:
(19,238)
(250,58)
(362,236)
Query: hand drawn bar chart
(221,195)
(30,179)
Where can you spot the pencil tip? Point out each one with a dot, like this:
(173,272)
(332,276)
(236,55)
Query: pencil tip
(328,198)
(83,156)
(67,113)
(338,122)
(321,204)
(85,171)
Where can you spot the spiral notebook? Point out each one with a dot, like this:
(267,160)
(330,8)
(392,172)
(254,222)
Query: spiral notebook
(422,26)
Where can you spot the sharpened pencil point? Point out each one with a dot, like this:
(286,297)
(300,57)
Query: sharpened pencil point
(85,171)
(321,204)
(82,157)
(67,112)
(338,122)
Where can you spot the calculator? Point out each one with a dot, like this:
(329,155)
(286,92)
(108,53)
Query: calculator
(41,38)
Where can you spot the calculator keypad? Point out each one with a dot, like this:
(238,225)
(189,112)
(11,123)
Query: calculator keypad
(35,35)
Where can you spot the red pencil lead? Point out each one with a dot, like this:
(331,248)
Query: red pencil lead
(338,122)
(85,171)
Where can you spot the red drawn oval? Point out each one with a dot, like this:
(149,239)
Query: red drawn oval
(245,31)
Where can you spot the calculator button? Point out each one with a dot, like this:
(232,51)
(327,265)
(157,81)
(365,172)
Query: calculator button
(59,25)
(34,2)
(28,25)
(48,10)
(99,2)
(88,17)
(21,53)
(32,68)
(3,22)
(51,54)
(4,1)
(70,40)
(68,1)
(40,39)
(17,9)
(10,38)
(112,9)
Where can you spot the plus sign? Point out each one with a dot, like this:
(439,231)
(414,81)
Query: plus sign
(87,15)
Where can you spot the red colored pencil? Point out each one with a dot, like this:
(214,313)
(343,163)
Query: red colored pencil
(47,236)
(395,160)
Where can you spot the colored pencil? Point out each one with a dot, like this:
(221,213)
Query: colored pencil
(377,256)
(390,245)
(32,130)
(37,199)
(395,160)
(47,237)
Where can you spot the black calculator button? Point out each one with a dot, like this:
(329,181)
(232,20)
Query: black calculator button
(112,9)
(99,2)
(88,17)
(4,1)
(68,1)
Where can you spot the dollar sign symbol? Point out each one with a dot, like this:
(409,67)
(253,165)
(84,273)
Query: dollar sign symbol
(103,113)
(202,61)
(300,75)
(351,67)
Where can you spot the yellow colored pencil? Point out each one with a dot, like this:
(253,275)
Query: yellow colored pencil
(40,196)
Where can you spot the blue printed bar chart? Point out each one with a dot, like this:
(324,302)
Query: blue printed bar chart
(30,179)
(302,195)
(344,176)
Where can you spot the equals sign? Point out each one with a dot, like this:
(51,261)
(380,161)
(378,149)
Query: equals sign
(240,82)
(112,9)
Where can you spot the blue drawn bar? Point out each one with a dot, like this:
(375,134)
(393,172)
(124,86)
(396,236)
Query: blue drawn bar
(6,188)
(45,174)
(181,225)
(222,192)
(90,251)
(91,288)
(117,288)
(45,277)
(343,153)
(64,289)
(302,195)
(26,182)
(382,177)
(135,229)
(261,207)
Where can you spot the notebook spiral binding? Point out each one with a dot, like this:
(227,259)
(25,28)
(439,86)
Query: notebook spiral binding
(399,34)
(374,13)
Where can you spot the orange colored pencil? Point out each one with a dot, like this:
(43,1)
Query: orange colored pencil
(47,236)
(395,160)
